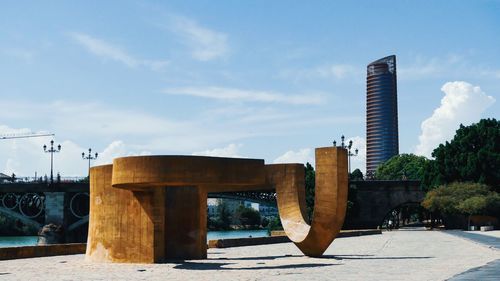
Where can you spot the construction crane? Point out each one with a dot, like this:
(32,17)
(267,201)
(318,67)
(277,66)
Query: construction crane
(24,135)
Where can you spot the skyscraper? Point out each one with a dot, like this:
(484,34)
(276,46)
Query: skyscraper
(381,112)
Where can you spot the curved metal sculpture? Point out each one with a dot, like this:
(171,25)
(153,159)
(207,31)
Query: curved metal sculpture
(330,201)
(152,208)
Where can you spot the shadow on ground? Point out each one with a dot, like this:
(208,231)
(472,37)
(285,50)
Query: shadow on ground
(257,258)
(220,266)
(335,257)
(369,257)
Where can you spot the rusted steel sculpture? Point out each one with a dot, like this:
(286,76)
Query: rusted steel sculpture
(330,200)
(152,208)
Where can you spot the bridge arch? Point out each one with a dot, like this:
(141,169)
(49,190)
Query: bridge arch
(20,217)
(266,198)
(375,199)
(402,214)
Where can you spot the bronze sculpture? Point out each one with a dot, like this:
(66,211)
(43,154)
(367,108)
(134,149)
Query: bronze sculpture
(152,208)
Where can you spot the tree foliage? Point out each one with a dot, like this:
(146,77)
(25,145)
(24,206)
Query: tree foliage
(310,183)
(310,187)
(402,166)
(356,175)
(463,198)
(223,215)
(248,216)
(472,155)
(274,224)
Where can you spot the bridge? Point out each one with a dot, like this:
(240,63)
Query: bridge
(373,201)
(36,203)
(376,201)
(66,203)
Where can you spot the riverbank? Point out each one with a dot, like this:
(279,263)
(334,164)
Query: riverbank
(18,241)
(396,255)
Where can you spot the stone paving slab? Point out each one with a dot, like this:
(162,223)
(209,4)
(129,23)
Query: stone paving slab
(493,233)
(396,255)
(487,240)
(488,272)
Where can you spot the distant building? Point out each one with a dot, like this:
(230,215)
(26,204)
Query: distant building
(382,141)
(5,178)
(268,211)
(232,207)
(212,208)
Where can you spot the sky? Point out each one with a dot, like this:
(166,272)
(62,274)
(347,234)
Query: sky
(258,79)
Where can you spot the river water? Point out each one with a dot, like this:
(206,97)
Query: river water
(14,241)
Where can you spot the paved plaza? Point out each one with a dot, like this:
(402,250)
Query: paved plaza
(396,255)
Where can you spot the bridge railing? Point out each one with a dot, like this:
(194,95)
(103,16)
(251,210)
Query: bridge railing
(31,180)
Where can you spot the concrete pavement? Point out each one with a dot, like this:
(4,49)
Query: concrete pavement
(396,255)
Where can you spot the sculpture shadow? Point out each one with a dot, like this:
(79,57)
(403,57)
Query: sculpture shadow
(368,257)
(220,266)
(258,258)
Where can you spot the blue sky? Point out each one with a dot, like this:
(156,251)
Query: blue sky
(258,79)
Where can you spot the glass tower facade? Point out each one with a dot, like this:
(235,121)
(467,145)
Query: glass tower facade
(382,141)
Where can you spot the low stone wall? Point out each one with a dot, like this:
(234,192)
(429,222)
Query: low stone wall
(11,253)
(239,242)
(343,233)
(358,232)
(279,237)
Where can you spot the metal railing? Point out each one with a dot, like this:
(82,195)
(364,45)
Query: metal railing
(44,179)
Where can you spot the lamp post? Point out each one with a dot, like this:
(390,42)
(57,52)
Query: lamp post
(348,147)
(52,150)
(89,157)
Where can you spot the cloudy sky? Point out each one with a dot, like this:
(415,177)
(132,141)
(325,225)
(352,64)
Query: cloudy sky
(258,79)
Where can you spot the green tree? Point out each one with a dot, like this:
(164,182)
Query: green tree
(223,215)
(402,166)
(264,222)
(248,216)
(472,155)
(274,224)
(463,198)
(310,183)
(356,175)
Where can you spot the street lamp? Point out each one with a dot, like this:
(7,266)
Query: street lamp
(52,150)
(348,147)
(89,157)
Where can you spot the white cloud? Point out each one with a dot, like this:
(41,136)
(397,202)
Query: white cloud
(463,103)
(104,126)
(229,151)
(325,71)
(91,118)
(231,94)
(206,44)
(113,150)
(421,67)
(339,71)
(25,156)
(117,149)
(303,155)
(106,50)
